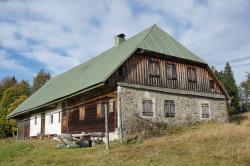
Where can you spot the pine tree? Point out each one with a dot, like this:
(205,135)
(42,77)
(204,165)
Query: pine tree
(226,78)
(230,85)
(245,86)
(40,79)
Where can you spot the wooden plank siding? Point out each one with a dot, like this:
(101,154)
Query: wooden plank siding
(92,121)
(23,129)
(137,72)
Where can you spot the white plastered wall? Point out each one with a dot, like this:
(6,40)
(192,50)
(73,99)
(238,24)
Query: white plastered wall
(35,128)
(55,127)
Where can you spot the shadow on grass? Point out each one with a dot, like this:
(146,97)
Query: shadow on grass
(238,119)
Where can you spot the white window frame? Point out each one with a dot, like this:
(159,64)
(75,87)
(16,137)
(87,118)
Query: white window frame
(209,109)
(51,119)
(35,120)
(154,108)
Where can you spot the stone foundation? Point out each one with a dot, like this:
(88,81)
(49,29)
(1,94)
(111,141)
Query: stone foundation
(187,107)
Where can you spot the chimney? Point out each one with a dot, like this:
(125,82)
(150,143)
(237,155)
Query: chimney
(119,39)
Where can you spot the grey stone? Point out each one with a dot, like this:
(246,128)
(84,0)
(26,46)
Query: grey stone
(187,108)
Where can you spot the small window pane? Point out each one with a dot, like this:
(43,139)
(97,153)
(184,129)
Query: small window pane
(154,68)
(81,113)
(51,119)
(59,117)
(147,108)
(35,120)
(169,108)
(204,110)
(192,74)
(171,71)
(211,84)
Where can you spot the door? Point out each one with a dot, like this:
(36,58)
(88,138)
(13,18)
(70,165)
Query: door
(43,124)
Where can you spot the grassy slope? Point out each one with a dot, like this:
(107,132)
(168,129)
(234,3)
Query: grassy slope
(206,144)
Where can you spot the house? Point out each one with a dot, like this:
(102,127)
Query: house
(149,75)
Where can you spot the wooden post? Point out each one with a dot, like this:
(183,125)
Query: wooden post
(106,124)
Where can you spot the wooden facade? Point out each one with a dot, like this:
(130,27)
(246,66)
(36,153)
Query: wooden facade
(88,116)
(84,113)
(138,70)
(23,129)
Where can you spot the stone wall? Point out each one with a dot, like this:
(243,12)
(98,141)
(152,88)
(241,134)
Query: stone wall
(187,107)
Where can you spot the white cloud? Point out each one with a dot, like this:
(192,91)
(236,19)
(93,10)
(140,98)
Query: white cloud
(62,34)
(6,62)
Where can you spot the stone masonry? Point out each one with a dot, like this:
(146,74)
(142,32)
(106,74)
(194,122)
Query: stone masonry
(187,107)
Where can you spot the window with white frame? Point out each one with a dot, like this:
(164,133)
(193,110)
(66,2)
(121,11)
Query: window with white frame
(205,113)
(169,108)
(51,119)
(147,108)
(59,117)
(35,120)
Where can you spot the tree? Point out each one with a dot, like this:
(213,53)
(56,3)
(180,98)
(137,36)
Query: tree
(10,99)
(5,83)
(229,81)
(226,78)
(40,79)
(231,88)
(245,93)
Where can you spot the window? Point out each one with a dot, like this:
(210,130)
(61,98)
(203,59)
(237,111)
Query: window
(122,71)
(81,113)
(204,110)
(211,84)
(91,112)
(147,108)
(192,75)
(35,120)
(59,117)
(51,119)
(171,71)
(169,108)
(102,113)
(154,68)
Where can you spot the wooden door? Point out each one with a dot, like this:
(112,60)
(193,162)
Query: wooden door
(64,121)
(43,124)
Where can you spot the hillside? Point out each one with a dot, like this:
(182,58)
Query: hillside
(204,144)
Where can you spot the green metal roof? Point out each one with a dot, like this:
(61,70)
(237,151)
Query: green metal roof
(97,70)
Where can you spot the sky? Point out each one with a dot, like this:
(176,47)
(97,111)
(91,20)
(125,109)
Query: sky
(60,34)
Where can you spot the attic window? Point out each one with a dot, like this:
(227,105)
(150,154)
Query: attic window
(192,74)
(122,71)
(154,68)
(171,71)
(211,84)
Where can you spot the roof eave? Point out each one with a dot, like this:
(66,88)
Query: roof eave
(55,101)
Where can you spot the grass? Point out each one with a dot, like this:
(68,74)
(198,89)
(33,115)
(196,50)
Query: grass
(203,144)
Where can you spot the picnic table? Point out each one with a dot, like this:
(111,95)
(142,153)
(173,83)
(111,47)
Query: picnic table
(80,140)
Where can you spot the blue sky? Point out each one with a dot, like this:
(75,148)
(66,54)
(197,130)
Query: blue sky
(58,35)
